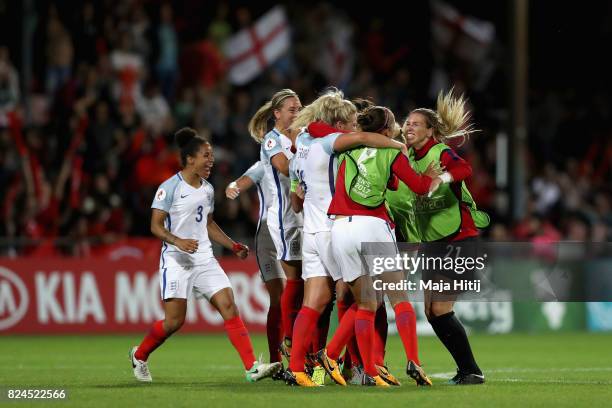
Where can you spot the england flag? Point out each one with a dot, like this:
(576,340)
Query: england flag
(254,48)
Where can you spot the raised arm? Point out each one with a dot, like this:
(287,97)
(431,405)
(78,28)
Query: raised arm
(234,188)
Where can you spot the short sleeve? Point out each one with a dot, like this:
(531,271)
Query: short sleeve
(328,142)
(211,197)
(165,195)
(271,145)
(255,172)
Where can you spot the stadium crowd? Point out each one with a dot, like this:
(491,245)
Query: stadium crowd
(113,81)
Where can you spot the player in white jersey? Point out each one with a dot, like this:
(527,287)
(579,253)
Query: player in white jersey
(182,219)
(270,127)
(332,122)
(271,271)
(284,224)
(265,251)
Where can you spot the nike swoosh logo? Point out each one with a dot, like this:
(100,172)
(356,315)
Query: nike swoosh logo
(183,196)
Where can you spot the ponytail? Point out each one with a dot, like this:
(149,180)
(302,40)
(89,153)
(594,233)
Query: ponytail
(450,120)
(259,124)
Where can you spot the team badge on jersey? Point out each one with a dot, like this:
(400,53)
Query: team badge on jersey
(160,195)
(270,144)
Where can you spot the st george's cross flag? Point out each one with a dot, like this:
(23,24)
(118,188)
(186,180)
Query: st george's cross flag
(254,48)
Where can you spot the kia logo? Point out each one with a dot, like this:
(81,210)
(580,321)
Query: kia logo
(10,286)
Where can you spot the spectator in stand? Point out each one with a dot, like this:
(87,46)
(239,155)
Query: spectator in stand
(212,111)
(128,67)
(9,86)
(139,27)
(184,108)
(219,29)
(100,136)
(154,110)
(60,53)
(97,54)
(86,32)
(167,62)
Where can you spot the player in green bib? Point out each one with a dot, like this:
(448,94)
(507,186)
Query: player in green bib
(401,203)
(448,218)
(360,216)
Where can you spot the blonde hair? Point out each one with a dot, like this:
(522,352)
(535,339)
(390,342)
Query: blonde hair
(258,125)
(331,107)
(450,120)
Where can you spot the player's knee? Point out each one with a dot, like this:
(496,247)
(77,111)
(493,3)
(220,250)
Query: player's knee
(228,310)
(275,291)
(318,303)
(275,301)
(437,309)
(343,293)
(428,313)
(395,297)
(370,306)
(174,323)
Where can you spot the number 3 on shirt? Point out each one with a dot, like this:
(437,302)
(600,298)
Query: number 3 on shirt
(199,216)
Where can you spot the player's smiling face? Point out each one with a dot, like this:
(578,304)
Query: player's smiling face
(416,130)
(287,113)
(204,160)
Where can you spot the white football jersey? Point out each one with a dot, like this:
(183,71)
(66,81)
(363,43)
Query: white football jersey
(280,214)
(256,173)
(188,210)
(314,166)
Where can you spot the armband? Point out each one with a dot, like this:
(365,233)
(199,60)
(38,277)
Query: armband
(294,184)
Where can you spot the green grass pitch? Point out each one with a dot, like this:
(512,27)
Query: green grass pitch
(572,369)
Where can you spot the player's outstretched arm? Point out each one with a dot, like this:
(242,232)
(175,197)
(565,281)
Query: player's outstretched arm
(159,230)
(242,183)
(216,234)
(350,140)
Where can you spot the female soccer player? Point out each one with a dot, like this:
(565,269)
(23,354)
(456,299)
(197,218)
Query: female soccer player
(450,216)
(182,219)
(285,225)
(360,216)
(313,167)
(265,252)
(378,117)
